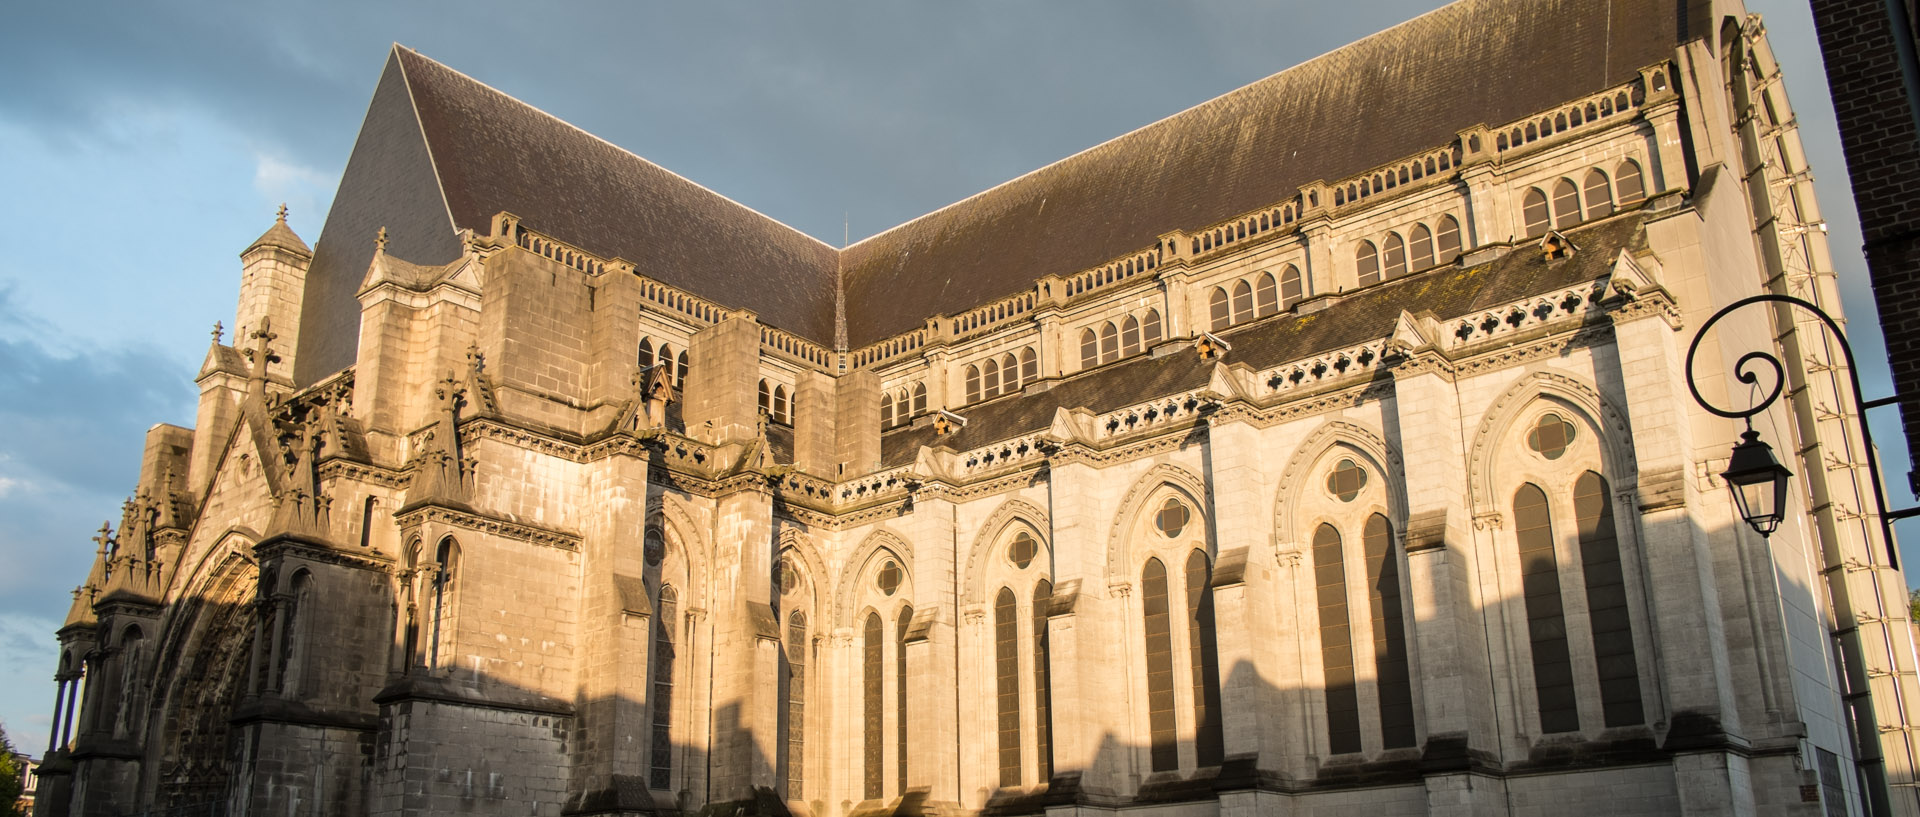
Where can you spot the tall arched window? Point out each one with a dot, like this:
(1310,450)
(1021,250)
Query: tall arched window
(1546,622)
(1389,634)
(1109,343)
(1006,673)
(1010,373)
(1220,315)
(661,750)
(919,397)
(1420,247)
(1150,328)
(782,412)
(1242,302)
(989,378)
(873,648)
(1336,642)
(766,398)
(646,353)
(1533,209)
(1042,680)
(973,384)
(1366,262)
(1446,240)
(1129,336)
(1607,603)
(1029,366)
(1266,296)
(1599,194)
(887,417)
(1203,656)
(1089,350)
(1566,204)
(900,410)
(446,574)
(1396,257)
(900,695)
(796,705)
(680,373)
(1160,719)
(1292,289)
(1629,183)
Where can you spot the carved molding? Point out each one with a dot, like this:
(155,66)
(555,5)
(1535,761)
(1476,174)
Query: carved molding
(490,525)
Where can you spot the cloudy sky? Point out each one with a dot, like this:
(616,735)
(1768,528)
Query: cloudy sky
(143,145)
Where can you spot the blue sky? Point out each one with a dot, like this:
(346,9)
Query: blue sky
(143,145)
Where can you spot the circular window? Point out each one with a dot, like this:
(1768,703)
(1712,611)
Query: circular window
(1172,518)
(1550,436)
(1022,551)
(789,575)
(656,548)
(1346,480)
(889,578)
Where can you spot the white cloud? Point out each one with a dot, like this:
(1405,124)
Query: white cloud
(28,653)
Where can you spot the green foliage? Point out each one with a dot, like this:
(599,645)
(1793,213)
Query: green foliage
(11,782)
(1913,604)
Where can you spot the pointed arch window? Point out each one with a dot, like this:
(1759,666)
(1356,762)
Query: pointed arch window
(1629,184)
(989,378)
(782,410)
(1220,315)
(1129,336)
(1029,367)
(1599,194)
(1607,607)
(680,372)
(1546,621)
(1366,261)
(1420,247)
(973,383)
(1266,296)
(1242,302)
(796,705)
(900,695)
(1292,289)
(1566,204)
(1203,656)
(1042,681)
(1006,663)
(445,577)
(1396,257)
(1389,633)
(1089,350)
(919,397)
(766,398)
(1336,642)
(646,353)
(886,412)
(1446,240)
(1010,373)
(1150,328)
(660,752)
(1160,717)
(1533,209)
(1109,343)
(873,645)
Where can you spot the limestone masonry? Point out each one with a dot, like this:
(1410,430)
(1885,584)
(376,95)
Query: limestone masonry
(1322,449)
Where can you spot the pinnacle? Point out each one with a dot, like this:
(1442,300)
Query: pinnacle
(281,236)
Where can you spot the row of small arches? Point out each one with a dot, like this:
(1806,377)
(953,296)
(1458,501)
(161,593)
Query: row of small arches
(1251,225)
(1574,117)
(997,312)
(775,403)
(1131,336)
(1243,302)
(1422,248)
(677,365)
(992,377)
(1390,179)
(549,249)
(902,405)
(905,343)
(680,302)
(1116,271)
(794,346)
(1571,204)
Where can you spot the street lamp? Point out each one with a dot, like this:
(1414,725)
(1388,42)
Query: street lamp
(1757,481)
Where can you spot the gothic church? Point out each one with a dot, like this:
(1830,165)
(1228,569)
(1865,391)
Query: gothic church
(1324,448)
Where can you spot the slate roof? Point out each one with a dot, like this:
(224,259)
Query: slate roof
(440,151)
(1369,314)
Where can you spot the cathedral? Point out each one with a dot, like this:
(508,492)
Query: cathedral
(1325,448)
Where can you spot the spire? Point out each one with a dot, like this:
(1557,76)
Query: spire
(280,236)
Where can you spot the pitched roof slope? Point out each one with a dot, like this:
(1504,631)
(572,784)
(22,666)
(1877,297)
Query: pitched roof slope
(1396,93)
(496,153)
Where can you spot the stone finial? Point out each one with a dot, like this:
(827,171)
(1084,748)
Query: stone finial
(476,362)
(105,536)
(281,216)
(262,353)
(218,332)
(380,240)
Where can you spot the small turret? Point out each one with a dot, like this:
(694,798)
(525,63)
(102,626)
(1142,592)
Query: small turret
(273,281)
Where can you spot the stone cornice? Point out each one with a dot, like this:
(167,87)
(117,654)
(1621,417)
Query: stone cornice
(481,522)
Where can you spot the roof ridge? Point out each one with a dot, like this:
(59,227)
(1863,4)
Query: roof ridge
(1157,122)
(591,135)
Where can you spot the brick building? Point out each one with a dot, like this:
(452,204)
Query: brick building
(1325,446)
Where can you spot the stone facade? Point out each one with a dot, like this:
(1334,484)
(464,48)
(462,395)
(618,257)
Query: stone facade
(1384,493)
